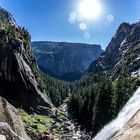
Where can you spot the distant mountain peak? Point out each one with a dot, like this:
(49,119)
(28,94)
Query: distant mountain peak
(121,52)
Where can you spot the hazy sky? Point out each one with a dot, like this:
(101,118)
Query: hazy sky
(57,20)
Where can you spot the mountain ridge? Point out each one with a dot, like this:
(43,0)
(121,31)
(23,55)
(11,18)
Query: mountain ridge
(118,50)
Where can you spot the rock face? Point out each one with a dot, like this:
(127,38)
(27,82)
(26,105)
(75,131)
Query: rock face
(66,61)
(18,69)
(122,52)
(131,131)
(11,126)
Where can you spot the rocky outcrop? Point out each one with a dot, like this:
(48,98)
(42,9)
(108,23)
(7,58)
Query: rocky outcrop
(66,61)
(131,131)
(7,17)
(122,52)
(11,127)
(130,53)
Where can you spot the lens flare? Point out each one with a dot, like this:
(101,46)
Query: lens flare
(83,26)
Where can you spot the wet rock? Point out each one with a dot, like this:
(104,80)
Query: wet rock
(131,131)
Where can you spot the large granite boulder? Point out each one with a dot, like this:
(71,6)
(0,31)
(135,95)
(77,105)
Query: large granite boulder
(11,127)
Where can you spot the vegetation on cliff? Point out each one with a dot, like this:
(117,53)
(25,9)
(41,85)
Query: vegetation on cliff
(55,89)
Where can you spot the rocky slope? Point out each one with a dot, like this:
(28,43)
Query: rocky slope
(122,52)
(66,61)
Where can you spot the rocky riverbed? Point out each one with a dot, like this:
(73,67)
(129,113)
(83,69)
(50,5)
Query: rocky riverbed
(70,129)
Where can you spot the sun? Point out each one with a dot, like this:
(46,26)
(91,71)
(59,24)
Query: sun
(90,9)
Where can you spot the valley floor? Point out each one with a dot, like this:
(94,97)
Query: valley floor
(60,125)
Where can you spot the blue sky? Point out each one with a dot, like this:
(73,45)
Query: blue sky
(48,20)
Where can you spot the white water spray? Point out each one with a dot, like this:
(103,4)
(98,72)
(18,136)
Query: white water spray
(131,107)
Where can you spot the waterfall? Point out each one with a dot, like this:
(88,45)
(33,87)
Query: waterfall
(131,107)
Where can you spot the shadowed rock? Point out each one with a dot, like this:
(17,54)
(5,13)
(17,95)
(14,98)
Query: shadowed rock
(17,75)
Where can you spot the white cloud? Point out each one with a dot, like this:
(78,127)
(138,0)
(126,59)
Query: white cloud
(110,18)
(82,26)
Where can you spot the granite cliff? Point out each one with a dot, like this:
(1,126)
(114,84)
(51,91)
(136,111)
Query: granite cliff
(121,53)
(18,80)
(65,61)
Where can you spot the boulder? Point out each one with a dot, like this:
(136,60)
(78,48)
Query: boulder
(11,126)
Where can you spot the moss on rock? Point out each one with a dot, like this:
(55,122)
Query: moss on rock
(35,125)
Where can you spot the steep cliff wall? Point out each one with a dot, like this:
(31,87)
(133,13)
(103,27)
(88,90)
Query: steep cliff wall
(18,70)
(66,61)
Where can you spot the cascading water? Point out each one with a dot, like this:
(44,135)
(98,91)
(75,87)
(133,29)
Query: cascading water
(131,107)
